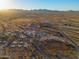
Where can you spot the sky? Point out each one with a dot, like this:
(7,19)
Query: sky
(45,4)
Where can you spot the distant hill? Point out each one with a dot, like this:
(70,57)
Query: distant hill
(43,13)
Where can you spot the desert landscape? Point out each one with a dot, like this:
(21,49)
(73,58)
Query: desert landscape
(39,34)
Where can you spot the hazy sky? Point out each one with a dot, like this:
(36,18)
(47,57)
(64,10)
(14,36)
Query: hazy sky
(46,4)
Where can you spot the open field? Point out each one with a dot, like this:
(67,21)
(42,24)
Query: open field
(39,34)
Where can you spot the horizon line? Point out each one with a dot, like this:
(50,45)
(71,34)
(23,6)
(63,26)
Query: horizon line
(37,9)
